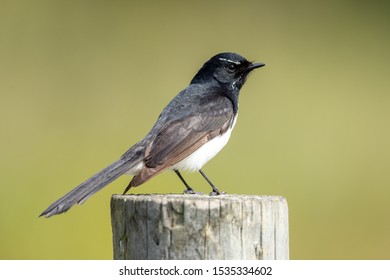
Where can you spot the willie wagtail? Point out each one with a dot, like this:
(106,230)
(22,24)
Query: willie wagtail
(191,129)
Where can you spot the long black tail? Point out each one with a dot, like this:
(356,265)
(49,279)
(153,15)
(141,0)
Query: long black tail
(86,189)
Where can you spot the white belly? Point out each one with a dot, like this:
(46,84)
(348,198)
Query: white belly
(201,156)
(197,159)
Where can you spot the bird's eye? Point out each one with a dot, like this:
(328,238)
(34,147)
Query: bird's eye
(231,67)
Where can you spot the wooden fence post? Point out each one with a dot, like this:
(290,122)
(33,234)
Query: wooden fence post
(176,226)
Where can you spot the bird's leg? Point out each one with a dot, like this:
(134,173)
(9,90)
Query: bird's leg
(215,190)
(189,190)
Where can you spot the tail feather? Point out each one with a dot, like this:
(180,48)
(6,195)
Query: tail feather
(89,187)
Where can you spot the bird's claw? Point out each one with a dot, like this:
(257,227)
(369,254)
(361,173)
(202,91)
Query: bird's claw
(214,193)
(191,191)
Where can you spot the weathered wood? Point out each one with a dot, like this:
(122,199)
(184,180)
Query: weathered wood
(176,226)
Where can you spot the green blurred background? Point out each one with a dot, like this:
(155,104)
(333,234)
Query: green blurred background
(81,81)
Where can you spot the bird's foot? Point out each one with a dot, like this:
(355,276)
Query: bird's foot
(216,192)
(191,191)
(213,193)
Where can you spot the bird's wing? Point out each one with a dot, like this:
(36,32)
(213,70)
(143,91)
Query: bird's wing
(181,137)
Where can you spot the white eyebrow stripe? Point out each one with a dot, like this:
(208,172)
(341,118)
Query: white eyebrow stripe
(231,61)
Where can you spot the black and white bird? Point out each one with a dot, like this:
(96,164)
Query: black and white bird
(191,130)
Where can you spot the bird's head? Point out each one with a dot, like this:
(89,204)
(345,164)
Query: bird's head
(229,69)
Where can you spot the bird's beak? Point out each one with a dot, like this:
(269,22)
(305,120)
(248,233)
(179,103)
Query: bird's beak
(254,66)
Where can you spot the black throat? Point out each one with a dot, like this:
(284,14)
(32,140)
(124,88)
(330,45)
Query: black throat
(232,94)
